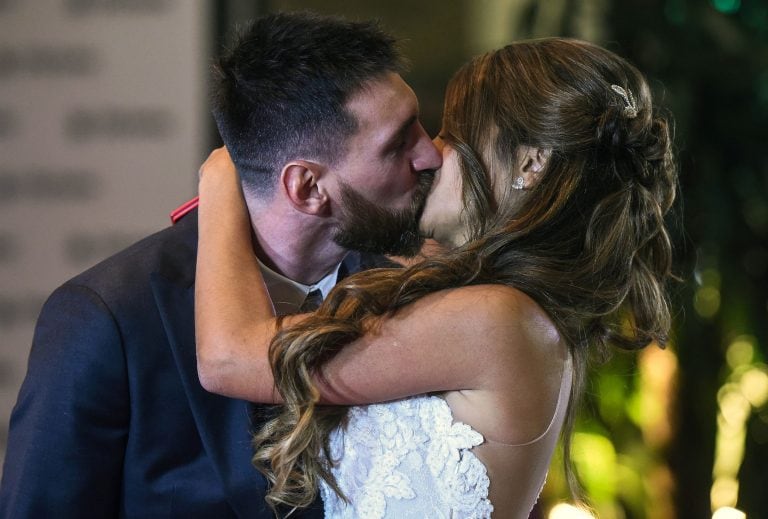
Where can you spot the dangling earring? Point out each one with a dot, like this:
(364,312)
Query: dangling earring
(518,183)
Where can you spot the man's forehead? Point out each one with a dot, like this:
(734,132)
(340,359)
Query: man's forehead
(384,100)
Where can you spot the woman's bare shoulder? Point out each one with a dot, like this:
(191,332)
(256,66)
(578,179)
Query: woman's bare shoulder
(511,330)
(503,306)
(519,353)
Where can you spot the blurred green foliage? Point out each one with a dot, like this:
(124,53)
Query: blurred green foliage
(708,63)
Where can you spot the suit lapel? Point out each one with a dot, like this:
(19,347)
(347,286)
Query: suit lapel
(222,423)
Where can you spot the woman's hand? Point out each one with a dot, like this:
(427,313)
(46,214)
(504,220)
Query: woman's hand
(219,160)
(218,178)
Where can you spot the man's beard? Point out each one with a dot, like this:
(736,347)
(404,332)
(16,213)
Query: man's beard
(367,227)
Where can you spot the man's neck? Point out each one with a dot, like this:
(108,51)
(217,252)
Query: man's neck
(298,247)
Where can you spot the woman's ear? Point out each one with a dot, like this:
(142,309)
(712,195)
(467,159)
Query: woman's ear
(299,181)
(530,162)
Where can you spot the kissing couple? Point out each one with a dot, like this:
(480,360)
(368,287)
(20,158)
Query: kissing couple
(435,390)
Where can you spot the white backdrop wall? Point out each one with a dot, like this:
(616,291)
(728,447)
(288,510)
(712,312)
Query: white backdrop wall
(103,123)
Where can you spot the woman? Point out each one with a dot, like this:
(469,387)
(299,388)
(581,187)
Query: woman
(557,174)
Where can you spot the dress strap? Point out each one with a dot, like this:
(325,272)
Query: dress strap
(566,380)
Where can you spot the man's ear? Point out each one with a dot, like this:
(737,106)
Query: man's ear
(299,180)
(531,161)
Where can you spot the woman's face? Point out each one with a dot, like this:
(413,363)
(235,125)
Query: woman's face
(443,214)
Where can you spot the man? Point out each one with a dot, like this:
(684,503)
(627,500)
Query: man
(111,419)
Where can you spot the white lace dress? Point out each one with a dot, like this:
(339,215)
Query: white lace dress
(407,459)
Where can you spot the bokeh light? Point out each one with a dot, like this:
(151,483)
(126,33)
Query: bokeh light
(727,512)
(727,6)
(706,299)
(566,511)
(745,390)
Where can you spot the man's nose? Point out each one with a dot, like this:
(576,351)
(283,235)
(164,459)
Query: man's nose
(426,155)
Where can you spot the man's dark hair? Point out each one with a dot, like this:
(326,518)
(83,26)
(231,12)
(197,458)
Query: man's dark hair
(279,92)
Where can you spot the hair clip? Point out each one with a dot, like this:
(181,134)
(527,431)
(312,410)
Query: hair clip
(630,111)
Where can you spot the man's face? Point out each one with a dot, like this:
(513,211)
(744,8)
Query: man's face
(384,178)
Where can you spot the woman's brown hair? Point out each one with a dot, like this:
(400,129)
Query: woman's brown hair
(587,242)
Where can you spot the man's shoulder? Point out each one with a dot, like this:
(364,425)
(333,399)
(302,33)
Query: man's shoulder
(170,252)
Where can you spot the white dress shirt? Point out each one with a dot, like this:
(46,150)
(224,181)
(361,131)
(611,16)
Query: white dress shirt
(287,295)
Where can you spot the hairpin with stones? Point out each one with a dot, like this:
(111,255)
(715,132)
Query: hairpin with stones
(630,108)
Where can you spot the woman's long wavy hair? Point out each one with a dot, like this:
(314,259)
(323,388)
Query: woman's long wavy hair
(587,242)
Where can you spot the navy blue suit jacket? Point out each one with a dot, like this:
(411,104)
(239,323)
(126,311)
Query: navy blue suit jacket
(111,420)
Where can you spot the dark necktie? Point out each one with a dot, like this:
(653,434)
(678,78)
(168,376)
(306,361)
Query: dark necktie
(312,301)
(259,414)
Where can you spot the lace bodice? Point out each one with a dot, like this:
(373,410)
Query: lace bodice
(407,458)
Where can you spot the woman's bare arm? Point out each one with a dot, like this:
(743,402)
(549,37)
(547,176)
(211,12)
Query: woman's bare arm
(454,339)
(232,305)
